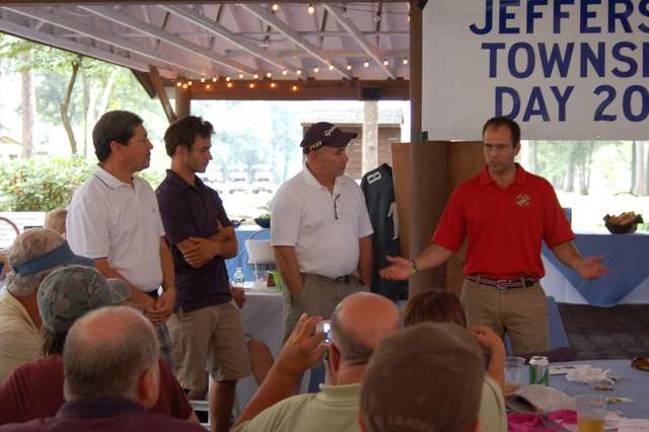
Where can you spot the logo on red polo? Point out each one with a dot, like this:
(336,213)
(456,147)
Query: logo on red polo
(523,200)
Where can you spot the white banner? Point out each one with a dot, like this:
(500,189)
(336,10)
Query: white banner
(563,69)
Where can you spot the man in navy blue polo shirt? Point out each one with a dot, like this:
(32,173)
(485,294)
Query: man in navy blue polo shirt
(205,328)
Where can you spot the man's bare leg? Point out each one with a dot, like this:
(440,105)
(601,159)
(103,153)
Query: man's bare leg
(221,403)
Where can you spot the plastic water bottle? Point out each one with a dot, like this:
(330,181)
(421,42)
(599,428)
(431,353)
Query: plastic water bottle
(238,279)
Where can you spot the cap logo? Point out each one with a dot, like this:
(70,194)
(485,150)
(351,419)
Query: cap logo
(329,131)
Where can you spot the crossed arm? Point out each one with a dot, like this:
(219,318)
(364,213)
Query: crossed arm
(198,251)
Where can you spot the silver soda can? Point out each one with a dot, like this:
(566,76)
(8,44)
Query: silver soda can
(539,370)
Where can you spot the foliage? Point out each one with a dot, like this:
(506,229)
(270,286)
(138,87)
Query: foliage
(40,184)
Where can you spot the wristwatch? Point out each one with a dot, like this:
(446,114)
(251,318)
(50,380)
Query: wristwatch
(414,266)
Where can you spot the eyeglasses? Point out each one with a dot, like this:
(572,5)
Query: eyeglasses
(336,205)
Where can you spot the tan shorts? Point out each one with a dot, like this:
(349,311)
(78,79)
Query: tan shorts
(320,297)
(522,313)
(208,339)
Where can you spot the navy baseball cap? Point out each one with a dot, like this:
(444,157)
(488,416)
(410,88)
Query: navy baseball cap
(325,134)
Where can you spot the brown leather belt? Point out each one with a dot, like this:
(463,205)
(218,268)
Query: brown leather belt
(503,283)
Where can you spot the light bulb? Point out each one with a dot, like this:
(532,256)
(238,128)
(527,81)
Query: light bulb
(311,9)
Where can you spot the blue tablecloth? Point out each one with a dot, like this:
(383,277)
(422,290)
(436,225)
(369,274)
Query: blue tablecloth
(627,256)
(241,260)
(632,384)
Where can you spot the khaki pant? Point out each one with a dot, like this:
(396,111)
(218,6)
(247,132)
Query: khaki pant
(209,338)
(319,297)
(522,313)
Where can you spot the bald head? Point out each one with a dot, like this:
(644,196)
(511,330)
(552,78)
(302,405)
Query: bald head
(360,322)
(105,352)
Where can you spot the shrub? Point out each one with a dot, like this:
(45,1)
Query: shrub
(40,184)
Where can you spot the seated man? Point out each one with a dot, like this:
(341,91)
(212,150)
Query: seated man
(358,324)
(35,389)
(424,378)
(441,306)
(33,255)
(112,376)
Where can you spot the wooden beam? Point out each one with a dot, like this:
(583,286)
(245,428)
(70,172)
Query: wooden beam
(110,14)
(53,2)
(306,90)
(59,20)
(222,32)
(48,39)
(279,25)
(159,87)
(349,25)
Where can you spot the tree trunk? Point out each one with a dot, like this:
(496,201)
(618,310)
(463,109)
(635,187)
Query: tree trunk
(570,176)
(27,107)
(640,183)
(634,161)
(532,155)
(65,105)
(85,81)
(105,96)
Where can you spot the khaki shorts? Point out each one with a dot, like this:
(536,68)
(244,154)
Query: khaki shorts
(208,339)
(521,313)
(320,297)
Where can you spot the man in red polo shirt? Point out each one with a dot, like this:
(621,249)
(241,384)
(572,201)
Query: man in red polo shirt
(504,212)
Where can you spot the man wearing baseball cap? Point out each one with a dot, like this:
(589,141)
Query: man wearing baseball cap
(320,229)
(35,390)
(34,254)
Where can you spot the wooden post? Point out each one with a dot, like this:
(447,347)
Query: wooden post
(183,102)
(162,93)
(370,143)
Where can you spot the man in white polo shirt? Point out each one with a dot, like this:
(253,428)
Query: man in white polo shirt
(320,229)
(114,218)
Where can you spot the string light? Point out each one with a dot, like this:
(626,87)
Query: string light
(207,87)
(310,9)
(251,85)
(275,7)
(185,86)
(349,67)
(230,85)
(228,79)
(366,64)
(284,72)
(405,61)
(298,72)
(241,76)
(294,88)
(214,79)
(203,80)
(331,67)
(273,85)
(269,75)
(316,69)
(189,83)
(256,76)
(179,84)
(386,62)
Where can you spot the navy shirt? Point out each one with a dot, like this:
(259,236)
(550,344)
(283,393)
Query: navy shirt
(193,211)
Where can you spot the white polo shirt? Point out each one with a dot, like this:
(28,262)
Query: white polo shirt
(111,219)
(323,227)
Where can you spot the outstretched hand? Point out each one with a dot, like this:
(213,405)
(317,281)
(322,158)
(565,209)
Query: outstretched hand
(592,267)
(399,268)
